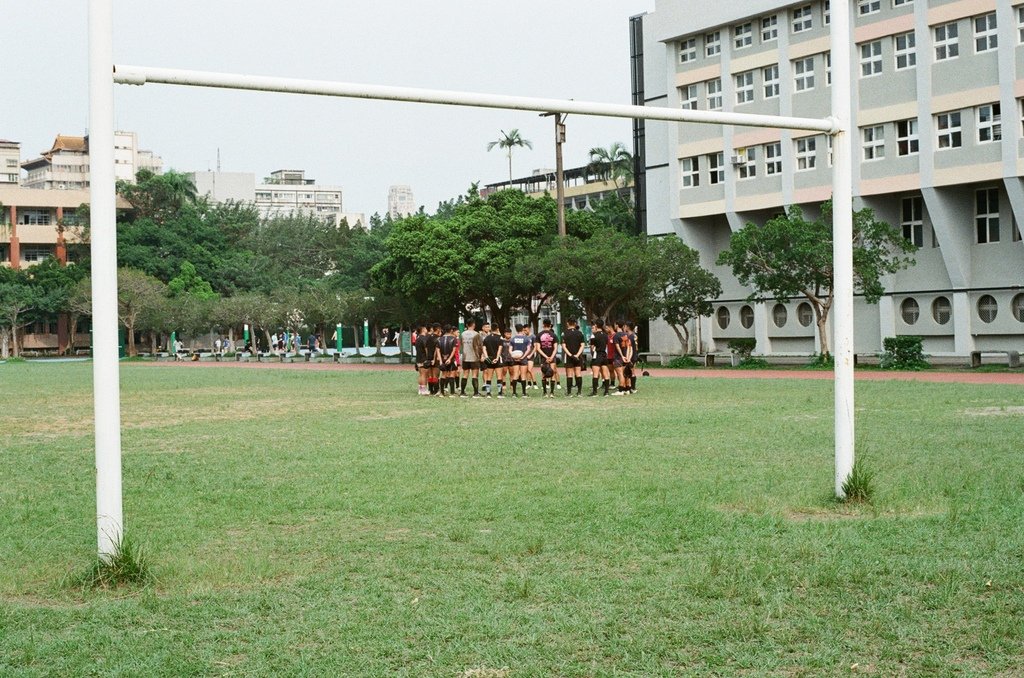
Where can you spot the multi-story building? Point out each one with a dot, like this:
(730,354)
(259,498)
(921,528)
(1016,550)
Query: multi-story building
(581,186)
(401,202)
(10,162)
(66,165)
(224,186)
(937,118)
(287,192)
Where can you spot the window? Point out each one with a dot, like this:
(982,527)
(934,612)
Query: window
(949,129)
(802,19)
(714,88)
(901,3)
(690,172)
(912,220)
(716,167)
(1020,24)
(874,142)
(34,254)
(1017,306)
(770,28)
(773,158)
(988,308)
(748,167)
(745,87)
(688,97)
(990,127)
(780,315)
(713,44)
(871,58)
(942,310)
(747,316)
(947,42)
(805,314)
(986,214)
(743,35)
(907,141)
(985,36)
(906,51)
(805,154)
(803,74)
(910,310)
(828,69)
(826,14)
(865,7)
(688,51)
(771,81)
(828,148)
(723,317)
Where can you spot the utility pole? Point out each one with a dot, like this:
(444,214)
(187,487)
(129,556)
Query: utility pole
(559,179)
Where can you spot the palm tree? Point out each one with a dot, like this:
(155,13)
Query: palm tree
(508,142)
(613,163)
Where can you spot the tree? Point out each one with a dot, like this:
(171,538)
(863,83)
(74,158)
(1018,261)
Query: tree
(684,289)
(791,256)
(138,296)
(158,196)
(508,141)
(188,284)
(614,163)
(17,297)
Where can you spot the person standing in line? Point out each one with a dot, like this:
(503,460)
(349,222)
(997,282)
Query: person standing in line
(547,350)
(599,357)
(572,354)
(423,361)
(492,345)
(471,350)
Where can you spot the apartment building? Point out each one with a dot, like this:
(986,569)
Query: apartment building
(401,202)
(10,162)
(66,165)
(290,192)
(937,113)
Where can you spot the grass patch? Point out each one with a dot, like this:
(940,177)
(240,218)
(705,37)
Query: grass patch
(333,523)
(859,486)
(128,566)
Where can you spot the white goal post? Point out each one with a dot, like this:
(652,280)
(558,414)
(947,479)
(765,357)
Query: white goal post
(103,74)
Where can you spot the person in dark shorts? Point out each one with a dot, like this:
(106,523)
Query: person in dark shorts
(424,360)
(631,367)
(599,357)
(471,345)
(572,354)
(447,348)
(491,354)
(547,352)
(522,354)
(507,363)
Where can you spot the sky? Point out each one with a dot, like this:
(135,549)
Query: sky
(574,49)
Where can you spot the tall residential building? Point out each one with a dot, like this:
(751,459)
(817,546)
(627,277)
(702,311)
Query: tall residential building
(937,134)
(287,192)
(66,165)
(400,202)
(10,162)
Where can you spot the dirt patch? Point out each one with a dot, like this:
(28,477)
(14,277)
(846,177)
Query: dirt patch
(1001,411)
(486,673)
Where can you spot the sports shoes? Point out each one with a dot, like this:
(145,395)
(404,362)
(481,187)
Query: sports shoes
(499,396)
(463,395)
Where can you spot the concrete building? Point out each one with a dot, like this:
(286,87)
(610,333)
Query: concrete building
(10,162)
(937,115)
(581,185)
(290,192)
(224,186)
(401,202)
(66,165)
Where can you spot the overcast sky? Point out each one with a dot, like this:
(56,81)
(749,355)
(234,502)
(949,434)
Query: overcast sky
(577,49)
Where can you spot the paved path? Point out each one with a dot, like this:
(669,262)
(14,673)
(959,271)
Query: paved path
(949,377)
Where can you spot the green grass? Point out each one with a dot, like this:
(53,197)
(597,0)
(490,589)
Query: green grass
(333,523)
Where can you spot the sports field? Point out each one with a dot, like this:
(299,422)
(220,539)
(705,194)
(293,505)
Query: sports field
(322,522)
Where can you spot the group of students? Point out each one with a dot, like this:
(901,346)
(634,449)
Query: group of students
(446,359)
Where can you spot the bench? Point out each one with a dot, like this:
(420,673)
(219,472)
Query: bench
(647,357)
(709,358)
(1012,357)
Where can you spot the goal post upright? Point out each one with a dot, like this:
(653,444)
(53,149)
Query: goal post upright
(103,248)
(842,244)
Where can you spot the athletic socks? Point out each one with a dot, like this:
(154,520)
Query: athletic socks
(462,390)
(579,385)
(545,385)
(451,385)
(476,386)
(604,383)
(593,384)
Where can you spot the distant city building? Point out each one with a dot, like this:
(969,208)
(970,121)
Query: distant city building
(287,192)
(401,202)
(354,219)
(10,162)
(581,185)
(224,186)
(66,165)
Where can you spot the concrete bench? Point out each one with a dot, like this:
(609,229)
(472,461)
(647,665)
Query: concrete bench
(709,359)
(1012,357)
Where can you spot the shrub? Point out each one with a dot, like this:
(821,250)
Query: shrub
(742,347)
(682,362)
(823,361)
(903,353)
(754,364)
(859,486)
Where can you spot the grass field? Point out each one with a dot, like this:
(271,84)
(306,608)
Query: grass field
(333,523)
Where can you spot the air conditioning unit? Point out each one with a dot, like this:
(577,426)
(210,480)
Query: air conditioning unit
(738,159)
